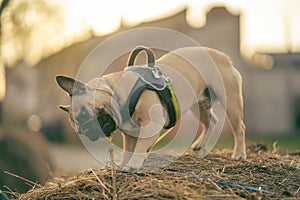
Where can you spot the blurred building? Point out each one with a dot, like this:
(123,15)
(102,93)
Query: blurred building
(271,97)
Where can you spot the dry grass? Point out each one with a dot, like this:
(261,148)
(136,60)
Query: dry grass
(274,175)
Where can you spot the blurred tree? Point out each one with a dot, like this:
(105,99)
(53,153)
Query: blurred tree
(30,30)
(36,29)
(2,70)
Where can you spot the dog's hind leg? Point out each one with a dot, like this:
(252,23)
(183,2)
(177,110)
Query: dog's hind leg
(204,122)
(207,118)
(203,113)
(235,116)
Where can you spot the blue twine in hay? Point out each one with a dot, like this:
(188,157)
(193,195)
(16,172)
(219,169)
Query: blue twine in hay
(225,183)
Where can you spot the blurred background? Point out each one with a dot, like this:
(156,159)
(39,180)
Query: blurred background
(40,39)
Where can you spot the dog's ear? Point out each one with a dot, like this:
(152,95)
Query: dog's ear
(70,85)
(65,108)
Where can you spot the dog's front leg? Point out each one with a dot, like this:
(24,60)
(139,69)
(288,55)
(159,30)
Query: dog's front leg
(136,151)
(149,116)
(129,143)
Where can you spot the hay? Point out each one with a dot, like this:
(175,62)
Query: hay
(214,177)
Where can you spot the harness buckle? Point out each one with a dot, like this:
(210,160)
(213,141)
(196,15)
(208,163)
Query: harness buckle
(156,72)
(167,79)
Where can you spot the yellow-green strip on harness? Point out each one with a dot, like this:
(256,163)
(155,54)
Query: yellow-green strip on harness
(175,102)
(177,114)
(162,136)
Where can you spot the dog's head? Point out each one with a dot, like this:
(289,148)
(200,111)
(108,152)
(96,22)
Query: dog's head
(89,110)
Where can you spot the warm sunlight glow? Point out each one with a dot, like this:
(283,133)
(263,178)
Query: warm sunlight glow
(137,11)
(266,26)
(103,17)
(197,10)
(46,27)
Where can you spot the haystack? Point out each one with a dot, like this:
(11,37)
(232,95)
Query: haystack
(263,175)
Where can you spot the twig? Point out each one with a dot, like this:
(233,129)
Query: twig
(214,184)
(275,149)
(297,191)
(113,170)
(99,180)
(101,183)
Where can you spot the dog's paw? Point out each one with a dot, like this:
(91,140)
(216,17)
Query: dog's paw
(128,169)
(134,171)
(203,152)
(239,152)
(196,146)
(239,156)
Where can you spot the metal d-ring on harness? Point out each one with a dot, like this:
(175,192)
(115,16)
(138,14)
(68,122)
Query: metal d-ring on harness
(150,77)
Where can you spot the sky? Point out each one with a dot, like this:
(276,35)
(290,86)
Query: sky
(270,26)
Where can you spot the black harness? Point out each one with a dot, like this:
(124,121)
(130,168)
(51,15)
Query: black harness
(150,77)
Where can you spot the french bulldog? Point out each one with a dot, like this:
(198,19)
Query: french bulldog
(95,106)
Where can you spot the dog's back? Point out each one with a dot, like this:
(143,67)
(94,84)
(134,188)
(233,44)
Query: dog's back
(199,66)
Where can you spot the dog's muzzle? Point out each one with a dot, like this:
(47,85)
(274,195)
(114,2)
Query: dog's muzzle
(106,122)
(100,125)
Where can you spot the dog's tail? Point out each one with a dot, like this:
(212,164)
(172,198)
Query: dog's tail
(208,97)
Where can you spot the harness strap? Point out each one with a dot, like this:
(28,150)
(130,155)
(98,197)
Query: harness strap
(149,78)
(132,100)
(166,95)
(120,113)
(136,51)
